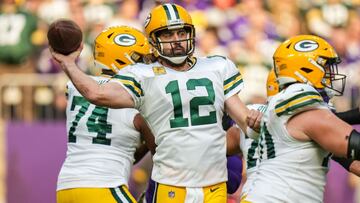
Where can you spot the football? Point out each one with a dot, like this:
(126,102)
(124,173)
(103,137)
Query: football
(64,36)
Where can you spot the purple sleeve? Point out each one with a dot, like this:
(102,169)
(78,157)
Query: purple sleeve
(150,191)
(235,167)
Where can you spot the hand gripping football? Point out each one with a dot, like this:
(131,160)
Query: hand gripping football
(64,36)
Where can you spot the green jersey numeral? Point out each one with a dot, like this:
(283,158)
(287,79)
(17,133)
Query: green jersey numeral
(97,121)
(251,160)
(270,148)
(179,121)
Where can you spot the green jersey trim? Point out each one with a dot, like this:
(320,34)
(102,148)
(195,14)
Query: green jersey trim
(297,102)
(232,83)
(131,84)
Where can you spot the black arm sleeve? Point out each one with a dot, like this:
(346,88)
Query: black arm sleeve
(351,117)
(344,162)
(353,151)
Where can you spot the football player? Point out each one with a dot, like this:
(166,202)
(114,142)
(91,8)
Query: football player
(298,129)
(102,141)
(352,117)
(183,99)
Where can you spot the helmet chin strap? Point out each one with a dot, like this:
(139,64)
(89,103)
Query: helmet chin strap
(178,60)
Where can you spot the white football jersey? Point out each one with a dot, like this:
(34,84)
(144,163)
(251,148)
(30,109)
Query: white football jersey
(289,170)
(184,110)
(249,146)
(101,143)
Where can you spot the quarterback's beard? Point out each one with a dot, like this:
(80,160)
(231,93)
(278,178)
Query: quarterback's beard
(175,51)
(175,57)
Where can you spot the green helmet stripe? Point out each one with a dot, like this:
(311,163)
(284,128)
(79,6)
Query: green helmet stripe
(171,11)
(176,11)
(167,12)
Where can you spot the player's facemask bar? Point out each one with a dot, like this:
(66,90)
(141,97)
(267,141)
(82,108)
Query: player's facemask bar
(172,56)
(332,80)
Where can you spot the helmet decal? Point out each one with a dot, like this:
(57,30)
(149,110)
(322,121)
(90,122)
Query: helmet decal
(125,40)
(306,45)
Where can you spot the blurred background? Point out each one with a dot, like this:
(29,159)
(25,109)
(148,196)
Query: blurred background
(32,99)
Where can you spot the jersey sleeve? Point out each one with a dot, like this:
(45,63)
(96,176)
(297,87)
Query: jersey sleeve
(131,82)
(69,90)
(233,81)
(235,169)
(298,98)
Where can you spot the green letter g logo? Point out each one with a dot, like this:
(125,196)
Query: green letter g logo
(306,45)
(125,40)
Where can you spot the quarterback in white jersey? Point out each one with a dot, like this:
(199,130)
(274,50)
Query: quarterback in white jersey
(298,130)
(185,108)
(102,141)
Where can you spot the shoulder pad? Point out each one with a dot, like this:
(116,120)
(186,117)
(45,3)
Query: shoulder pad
(297,98)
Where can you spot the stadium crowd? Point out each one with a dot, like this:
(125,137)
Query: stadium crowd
(246,31)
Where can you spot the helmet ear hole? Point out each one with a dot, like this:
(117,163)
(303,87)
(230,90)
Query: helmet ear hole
(306,70)
(120,62)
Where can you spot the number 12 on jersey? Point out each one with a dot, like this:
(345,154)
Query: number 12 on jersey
(179,121)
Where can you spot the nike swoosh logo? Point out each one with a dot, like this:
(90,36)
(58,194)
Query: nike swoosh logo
(214,189)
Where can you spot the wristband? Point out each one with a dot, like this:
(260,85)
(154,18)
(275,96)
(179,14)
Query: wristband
(252,133)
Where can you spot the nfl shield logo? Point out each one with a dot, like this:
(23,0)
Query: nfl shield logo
(159,70)
(171,194)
